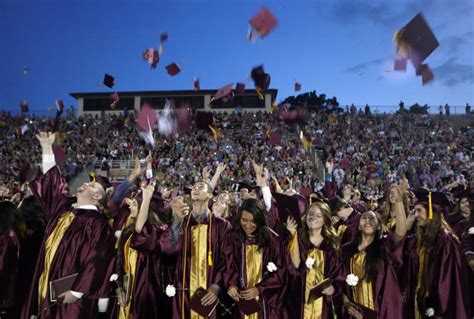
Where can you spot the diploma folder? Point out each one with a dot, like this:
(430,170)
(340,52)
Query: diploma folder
(197,306)
(248,307)
(367,313)
(317,291)
(61,285)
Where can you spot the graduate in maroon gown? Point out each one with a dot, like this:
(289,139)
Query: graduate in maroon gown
(258,263)
(373,261)
(138,259)
(77,241)
(440,286)
(315,254)
(346,226)
(9,257)
(459,219)
(197,239)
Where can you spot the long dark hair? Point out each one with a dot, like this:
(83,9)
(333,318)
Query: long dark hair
(7,216)
(373,251)
(259,212)
(327,231)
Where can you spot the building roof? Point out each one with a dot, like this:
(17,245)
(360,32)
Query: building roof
(78,95)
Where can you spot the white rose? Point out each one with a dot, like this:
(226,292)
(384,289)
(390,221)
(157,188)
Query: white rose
(118,233)
(352,280)
(429,312)
(170,291)
(309,262)
(471,231)
(114,277)
(271,267)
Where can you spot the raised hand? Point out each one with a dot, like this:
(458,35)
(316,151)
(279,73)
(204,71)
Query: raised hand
(46,139)
(206,172)
(291,225)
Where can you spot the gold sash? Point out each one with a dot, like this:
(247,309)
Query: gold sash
(421,262)
(363,293)
(51,246)
(340,231)
(130,256)
(313,277)
(253,258)
(198,275)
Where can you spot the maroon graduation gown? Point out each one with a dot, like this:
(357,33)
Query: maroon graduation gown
(352,227)
(87,248)
(148,299)
(273,288)
(333,268)
(9,256)
(386,292)
(448,278)
(214,273)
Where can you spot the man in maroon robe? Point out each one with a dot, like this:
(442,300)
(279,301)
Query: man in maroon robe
(77,240)
(198,239)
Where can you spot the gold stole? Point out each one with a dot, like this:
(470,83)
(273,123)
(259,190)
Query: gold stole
(127,222)
(340,231)
(253,258)
(363,293)
(51,246)
(314,276)
(421,267)
(198,274)
(130,256)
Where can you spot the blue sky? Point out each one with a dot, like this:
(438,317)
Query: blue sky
(342,48)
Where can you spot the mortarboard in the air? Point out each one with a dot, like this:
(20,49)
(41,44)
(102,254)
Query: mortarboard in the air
(287,206)
(225,93)
(59,154)
(260,79)
(115,99)
(426,73)
(109,80)
(147,118)
(432,198)
(263,22)
(163,37)
(240,88)
(416,40)
(173,69)
(297,87)
(196,84)
(24,106)
(204,119)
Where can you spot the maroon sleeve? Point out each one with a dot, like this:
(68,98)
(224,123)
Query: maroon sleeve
(9,252)
(51,192)
(148,240)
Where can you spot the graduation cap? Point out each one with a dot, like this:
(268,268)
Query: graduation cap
(204,119)
(102,180)
(432,198)
(224,93)
(24,106)
(297,87)
(302,203)
(173,69)
(275,138)
(263,22)
(469,194)
(196,84)
(109,80)
(147,118)
(240,88)
(287,206)
(163,37)
(426,73)
(260,79)
(416,40)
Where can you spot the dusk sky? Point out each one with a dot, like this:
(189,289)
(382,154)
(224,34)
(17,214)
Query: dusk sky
(342,48)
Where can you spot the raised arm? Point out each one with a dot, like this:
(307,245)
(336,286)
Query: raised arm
(262,176)
(220,168)
(396,201)
(144,208)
